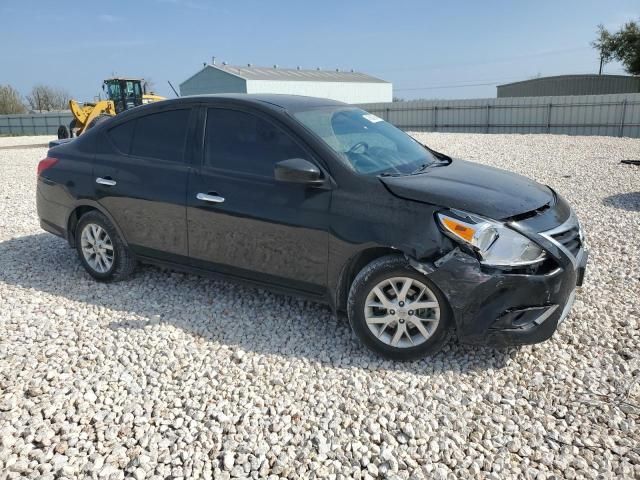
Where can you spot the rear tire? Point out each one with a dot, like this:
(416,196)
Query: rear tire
(101,250)
(396,322)
(63,132)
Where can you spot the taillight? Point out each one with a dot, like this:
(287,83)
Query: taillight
(46,163)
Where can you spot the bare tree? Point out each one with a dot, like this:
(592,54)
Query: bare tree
(148,85)
(44,97)
(10,101)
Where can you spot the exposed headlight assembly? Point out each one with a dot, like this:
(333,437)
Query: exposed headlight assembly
(496,244)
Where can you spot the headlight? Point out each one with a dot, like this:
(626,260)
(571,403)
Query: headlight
(497,244)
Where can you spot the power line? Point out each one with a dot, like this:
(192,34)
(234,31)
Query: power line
(455,85)
(543,53)
(478,83)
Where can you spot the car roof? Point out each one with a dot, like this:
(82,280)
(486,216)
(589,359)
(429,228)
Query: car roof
(288,102)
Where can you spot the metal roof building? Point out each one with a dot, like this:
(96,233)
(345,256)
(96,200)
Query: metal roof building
(349,87)
(571,85)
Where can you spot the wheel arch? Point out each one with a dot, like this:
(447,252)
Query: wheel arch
(79,210)
(351,269)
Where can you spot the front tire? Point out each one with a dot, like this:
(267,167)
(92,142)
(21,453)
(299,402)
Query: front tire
(396,311)
(101,250)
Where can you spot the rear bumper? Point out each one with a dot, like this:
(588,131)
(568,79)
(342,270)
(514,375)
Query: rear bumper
(506,309)
(53,215)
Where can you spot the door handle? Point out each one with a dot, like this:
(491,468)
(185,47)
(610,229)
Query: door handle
(105,181)
(205,197)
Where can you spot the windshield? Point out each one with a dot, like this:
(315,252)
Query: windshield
(366,143)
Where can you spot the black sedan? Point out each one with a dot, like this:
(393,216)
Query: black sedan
(318,198)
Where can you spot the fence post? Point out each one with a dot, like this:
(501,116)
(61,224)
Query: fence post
(435,119)
(488,117)
(549,117)
(624,111)
(387,114)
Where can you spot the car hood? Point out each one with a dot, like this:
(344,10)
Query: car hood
(475,188)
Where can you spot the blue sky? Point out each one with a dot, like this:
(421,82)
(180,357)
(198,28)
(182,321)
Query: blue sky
(427,49)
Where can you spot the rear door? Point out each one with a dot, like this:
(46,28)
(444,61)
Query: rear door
(258,228)
(141,179)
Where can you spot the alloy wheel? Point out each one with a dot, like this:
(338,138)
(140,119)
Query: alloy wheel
(402,312)
(97,248)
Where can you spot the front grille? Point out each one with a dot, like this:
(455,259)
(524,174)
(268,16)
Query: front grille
(567,236)
(569,239)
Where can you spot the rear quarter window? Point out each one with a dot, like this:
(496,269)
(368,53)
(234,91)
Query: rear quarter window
(122,135)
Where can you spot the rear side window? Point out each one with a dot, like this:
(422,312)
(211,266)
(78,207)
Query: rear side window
(161,135)
(243,142)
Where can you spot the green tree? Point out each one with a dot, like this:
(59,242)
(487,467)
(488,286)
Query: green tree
(623,45)
(629,47)
(10,101)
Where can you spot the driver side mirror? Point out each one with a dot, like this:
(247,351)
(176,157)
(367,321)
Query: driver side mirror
(298,170)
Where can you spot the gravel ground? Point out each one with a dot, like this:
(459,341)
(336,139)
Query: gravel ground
(174,376)
(30,140)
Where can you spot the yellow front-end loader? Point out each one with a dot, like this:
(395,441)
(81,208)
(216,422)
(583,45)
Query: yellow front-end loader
(122,94)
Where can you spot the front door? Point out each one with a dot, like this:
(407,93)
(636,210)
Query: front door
(243,222)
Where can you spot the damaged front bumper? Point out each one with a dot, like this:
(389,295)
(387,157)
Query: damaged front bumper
(502,308)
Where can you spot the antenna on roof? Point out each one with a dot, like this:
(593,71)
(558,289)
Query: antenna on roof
(213,60)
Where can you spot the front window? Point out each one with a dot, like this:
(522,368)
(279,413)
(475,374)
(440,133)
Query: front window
(125,94)
(132,93)
(114,91)
(366,143)
(241,142)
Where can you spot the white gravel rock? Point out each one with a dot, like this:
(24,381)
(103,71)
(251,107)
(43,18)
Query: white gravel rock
(26,140)
(171,375)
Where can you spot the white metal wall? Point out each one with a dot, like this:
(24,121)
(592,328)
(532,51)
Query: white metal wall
(349,92)
(614,115)
(212,80)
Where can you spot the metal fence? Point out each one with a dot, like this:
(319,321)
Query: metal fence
(33,123)
(614,115)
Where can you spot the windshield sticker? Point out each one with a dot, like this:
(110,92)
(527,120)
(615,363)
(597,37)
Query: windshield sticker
(372,118)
